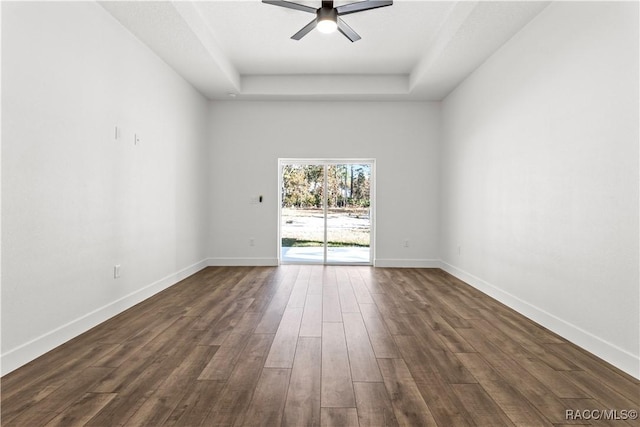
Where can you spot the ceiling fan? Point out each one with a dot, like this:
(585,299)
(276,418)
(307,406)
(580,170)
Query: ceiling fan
(328,17)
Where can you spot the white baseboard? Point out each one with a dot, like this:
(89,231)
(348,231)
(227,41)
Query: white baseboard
(407,263)
(618,357)
(241,262)
(29,351)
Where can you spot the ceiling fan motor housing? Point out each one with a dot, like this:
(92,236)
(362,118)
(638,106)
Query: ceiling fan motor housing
(327,14)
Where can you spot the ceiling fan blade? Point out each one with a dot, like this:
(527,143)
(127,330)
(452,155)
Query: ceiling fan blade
(291,5)
(347,31)
(304,31)
(362,5)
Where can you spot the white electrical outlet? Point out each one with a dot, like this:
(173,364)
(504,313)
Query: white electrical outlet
(405,243)
(136,139)
(252,242)
(116,271)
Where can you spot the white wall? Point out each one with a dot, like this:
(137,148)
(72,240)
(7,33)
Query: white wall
(247,138)
(75,202)
(540,176)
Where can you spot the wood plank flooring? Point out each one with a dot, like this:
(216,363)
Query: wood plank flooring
(316,345)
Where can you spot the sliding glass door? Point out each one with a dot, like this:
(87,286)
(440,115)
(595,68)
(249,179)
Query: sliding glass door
(326,211)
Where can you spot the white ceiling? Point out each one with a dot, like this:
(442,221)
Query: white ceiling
(412,50)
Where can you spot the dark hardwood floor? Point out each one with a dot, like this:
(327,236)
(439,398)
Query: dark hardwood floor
(314,345)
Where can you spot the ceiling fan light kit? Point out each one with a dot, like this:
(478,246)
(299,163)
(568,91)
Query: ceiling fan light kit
(327,20)
(328,17)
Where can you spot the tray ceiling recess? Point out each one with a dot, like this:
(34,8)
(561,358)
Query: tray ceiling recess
(413,50)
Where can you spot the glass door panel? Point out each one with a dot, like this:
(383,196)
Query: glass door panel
(302,213)
(348,213)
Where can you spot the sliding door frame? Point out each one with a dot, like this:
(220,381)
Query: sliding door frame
(326,162)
